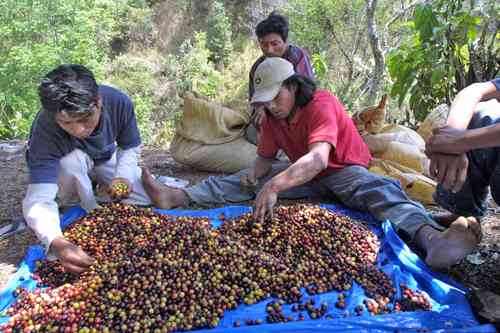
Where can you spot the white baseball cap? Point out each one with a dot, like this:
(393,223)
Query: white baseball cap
(269,77)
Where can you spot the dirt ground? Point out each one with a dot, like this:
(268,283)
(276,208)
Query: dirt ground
(480,271)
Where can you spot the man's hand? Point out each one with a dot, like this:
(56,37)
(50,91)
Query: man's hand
(265,202)
(449,170)
(72,257)
(446,140)
(248,182)
(120,188)
(258,116)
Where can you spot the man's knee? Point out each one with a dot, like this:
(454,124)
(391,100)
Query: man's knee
(372,187)
(76,161)
(483,119)
(372,180)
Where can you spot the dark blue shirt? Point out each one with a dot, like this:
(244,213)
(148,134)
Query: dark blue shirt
(496,82)
(49,142)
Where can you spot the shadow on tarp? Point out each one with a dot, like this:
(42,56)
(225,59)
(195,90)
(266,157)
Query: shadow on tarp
(450,309)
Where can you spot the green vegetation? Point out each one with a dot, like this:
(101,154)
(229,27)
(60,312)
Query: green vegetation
(37,36)
(135,76)
(334,32)
(156,50)
(449,47)
(197,72)
(219,34)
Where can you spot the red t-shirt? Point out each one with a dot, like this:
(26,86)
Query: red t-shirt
(323,119)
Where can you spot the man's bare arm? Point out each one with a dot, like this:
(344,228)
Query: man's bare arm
(464,105)
(304,169)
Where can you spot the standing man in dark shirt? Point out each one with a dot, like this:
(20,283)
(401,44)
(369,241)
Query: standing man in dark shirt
(84,130)
(272,35)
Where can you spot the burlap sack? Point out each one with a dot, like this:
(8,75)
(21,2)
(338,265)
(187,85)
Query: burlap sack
(210,123)
(436,118)
(408,155)
(209,137)
(417,186)
(371,120)
(228,157)
(378,143)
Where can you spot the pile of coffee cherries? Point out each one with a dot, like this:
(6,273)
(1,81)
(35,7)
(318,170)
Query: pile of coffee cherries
(412,300)
(159,273)
(119,191)
(317,249)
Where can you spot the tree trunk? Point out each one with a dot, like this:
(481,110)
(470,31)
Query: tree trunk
(378,72)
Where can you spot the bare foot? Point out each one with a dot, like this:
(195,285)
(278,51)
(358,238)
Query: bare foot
(162,196)
(444,219)
(447,248)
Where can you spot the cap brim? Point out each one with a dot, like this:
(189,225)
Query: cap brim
(266,94)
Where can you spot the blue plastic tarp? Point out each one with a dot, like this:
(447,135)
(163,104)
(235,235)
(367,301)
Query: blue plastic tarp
(450,309)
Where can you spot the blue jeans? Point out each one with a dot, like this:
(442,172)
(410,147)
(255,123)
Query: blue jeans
(353,186)
(483,174)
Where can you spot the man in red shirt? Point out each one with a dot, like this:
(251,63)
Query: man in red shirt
(328,157)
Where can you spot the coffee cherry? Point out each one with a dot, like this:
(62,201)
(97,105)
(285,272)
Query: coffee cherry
(119,190)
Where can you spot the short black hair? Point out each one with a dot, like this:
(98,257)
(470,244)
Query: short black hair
(69,88)
(274,23)
(306,88)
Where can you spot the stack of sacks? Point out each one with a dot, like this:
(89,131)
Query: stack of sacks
(417,186)
(399,154)
(399,144)
(371,119)
(436,118)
